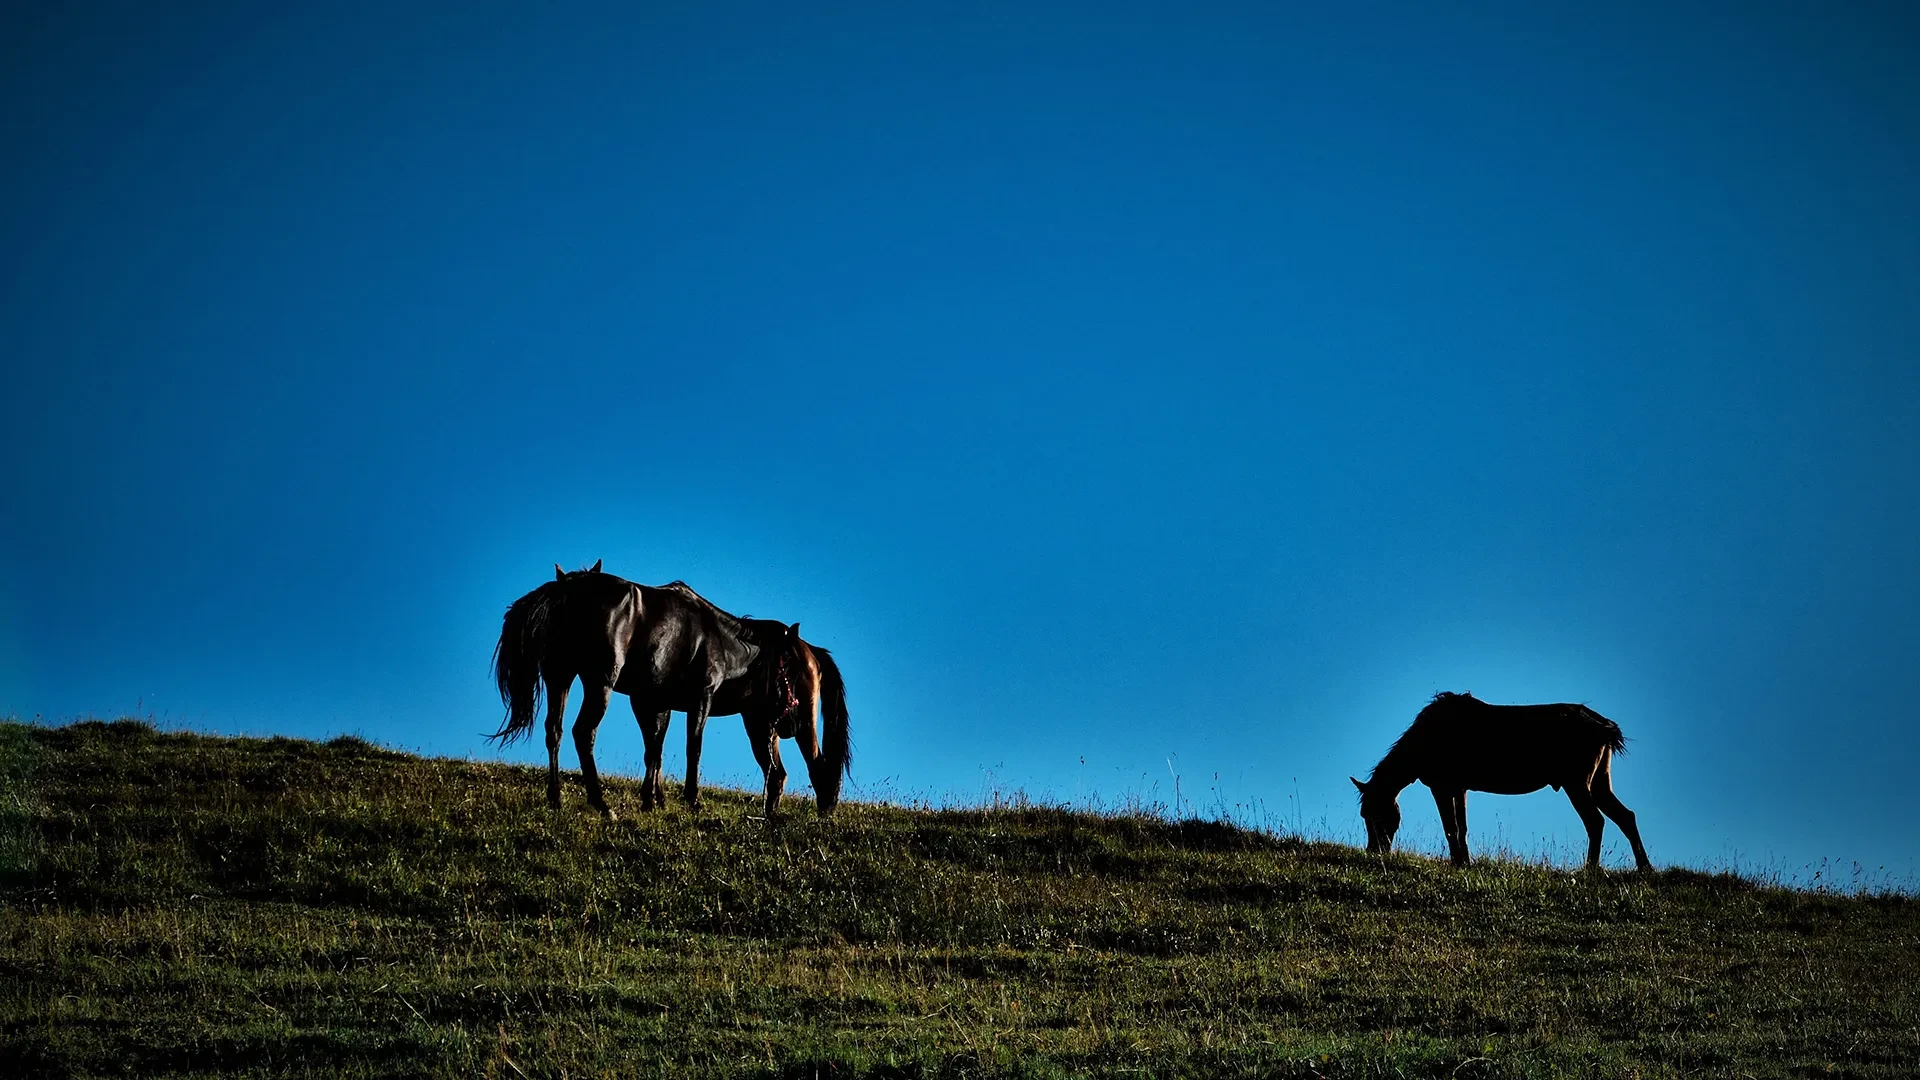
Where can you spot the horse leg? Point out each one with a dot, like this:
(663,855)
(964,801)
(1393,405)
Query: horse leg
(776,772)
(653,729)
(808,742)
(593,706)
(1443,802)
(1460,825)
(556,721)
(1583,804)
(1610,805)
(766,750)
(1450,803)
(696,729)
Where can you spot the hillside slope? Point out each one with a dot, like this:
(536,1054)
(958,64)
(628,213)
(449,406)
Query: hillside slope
(177,904)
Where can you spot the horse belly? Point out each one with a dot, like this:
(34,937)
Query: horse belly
(1491,781)
(1508,787)
(727,701)
(645,683)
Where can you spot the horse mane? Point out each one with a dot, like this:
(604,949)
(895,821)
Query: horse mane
(1443,702)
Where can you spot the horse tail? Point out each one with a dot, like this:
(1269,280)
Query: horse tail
(517,659)
(836,746)
(1616,739)
(1611,736)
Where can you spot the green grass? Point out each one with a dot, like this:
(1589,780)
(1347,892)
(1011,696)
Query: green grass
(173,904)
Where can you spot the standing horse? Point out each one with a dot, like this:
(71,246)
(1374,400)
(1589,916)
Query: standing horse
(803,682)
(655,645)
(1459,743)
(698,659)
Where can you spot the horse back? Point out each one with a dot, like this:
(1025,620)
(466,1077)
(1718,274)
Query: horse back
(681,651)
(1514,749)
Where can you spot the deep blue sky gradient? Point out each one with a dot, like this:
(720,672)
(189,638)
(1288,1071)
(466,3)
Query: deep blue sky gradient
(1119,390)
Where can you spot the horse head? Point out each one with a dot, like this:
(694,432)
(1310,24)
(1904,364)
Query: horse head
(1380,809)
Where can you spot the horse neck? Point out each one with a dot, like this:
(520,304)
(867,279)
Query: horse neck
(1395,771)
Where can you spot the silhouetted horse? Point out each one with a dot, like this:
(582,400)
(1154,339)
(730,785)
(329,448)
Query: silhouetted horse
(667,649)
(1459,743)
(804,682)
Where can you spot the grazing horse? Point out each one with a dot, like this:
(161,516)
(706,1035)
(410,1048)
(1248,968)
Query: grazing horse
(803,681)
(1459,743)
(668,649)
(654,645)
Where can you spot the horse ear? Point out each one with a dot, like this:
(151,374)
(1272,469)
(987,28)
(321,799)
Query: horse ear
(596,567)
(1358,784)
(793,631)
(557,572)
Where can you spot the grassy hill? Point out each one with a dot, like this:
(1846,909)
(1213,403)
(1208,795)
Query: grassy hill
(177,904)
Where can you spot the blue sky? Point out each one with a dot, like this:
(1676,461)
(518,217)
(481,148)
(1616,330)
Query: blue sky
(1121,391)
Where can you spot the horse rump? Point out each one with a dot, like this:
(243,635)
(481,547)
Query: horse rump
(1609,732)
